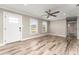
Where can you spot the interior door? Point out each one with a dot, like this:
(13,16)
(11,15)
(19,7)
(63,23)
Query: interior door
(12,27)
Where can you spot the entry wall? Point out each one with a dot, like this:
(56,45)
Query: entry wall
(25,27)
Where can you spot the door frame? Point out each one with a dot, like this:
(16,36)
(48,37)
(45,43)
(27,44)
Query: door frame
(74,18)
(4,26)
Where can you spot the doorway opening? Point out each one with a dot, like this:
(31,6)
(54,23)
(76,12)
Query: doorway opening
(71,37)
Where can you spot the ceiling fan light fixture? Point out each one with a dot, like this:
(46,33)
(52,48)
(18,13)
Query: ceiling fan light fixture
(49,18)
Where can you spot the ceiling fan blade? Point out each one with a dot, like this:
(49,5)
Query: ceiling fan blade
(77,5)
(55,12)
(53,15)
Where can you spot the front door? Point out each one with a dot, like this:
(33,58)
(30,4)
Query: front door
(12,27)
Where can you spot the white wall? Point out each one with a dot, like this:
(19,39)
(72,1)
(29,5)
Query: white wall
(78,28)
(58,28)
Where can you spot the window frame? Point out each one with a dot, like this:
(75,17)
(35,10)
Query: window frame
(44,23)
(32,19)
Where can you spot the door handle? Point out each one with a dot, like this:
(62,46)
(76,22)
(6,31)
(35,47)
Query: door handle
(19,28)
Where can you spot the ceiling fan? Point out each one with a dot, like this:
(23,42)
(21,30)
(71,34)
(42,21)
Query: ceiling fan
(77,4)
(50,13)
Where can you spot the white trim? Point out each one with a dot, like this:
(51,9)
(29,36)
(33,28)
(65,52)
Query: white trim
(77,37)
(21,27)
(56,35)
(44,23)
(2,45)
(36,26)
(4,16)
(31,37)
(4,27)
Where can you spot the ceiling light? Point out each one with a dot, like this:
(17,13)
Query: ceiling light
(49,18)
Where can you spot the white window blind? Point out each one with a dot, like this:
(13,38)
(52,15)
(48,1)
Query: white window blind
(34,26)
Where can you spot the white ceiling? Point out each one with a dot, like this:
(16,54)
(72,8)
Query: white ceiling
(37,10)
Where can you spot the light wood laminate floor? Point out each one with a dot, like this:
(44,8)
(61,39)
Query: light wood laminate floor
(47,45)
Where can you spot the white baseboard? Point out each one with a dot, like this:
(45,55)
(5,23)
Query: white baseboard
(57,35)
(77,37)
(35,36)
(31,37)
(2,44)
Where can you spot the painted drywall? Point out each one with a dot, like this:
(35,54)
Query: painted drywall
(1,26)
(25,26)
(77,27)
(48,27)
(58,28)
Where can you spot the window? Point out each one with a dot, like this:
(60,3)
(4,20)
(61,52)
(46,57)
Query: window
(33,26)
(13,20)
(44,26)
